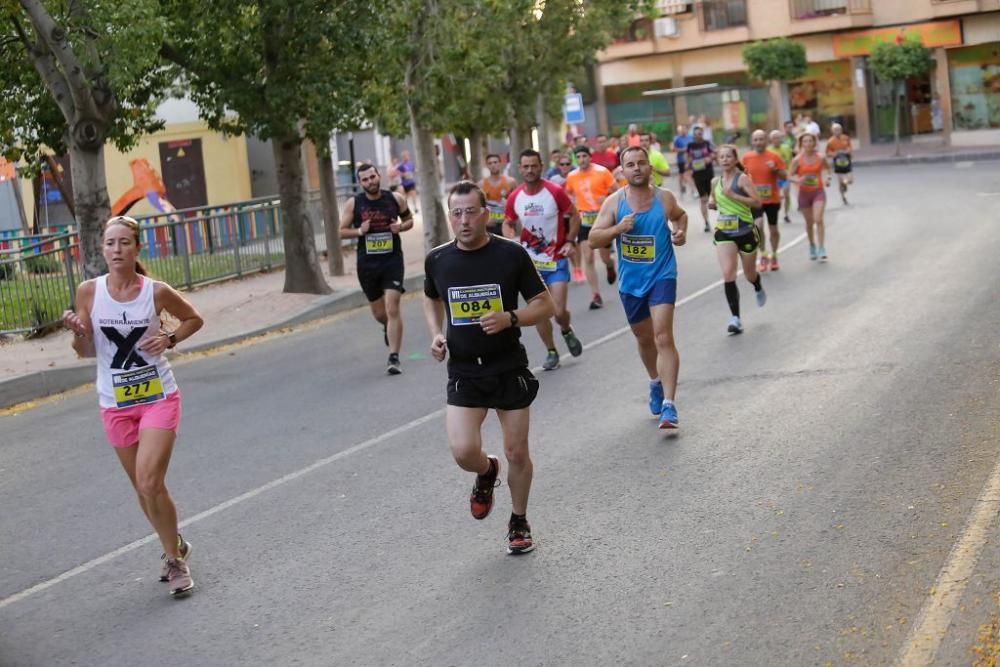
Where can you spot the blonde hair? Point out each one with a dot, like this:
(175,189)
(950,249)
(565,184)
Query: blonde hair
(133,225)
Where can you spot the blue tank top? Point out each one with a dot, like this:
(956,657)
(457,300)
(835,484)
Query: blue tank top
(646,254)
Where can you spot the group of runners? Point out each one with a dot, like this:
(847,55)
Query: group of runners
(507,268)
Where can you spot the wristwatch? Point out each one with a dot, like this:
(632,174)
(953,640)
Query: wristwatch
(513,318)
(172,338)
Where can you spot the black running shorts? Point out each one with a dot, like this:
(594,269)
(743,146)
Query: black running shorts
(510,390)
(703,182)
(747,242)
(377,277)
(770,210)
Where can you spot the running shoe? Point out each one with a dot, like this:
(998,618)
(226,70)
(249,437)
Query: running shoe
(707,228)
(821,252)
(656,397)
(812,252)
(573,343)
(597,302)
(761,297)
(735,326)
(668,416)
(612,274)
(481,500)
(179,577)
(551,361)
(578,275)
(774,263)
(185,554)
(788,220)
(392,367)
(519,537)
(763,264)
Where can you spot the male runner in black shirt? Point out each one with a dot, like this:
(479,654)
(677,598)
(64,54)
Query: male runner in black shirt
(376,217)
(476,280)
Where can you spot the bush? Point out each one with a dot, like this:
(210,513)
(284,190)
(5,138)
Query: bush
(42,264)
(7,272)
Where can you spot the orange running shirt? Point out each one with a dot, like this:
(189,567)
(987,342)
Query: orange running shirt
(589,188)
(764,179)
(838,144)
(811,173)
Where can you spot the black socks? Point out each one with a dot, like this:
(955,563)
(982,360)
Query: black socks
(733,297)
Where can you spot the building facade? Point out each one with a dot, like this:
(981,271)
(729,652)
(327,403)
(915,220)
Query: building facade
(688,62)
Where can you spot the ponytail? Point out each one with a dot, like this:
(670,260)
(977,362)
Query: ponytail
(140,269)
(736,154)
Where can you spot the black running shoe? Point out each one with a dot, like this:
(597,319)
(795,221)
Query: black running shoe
(481,500)
(519,538)
(392,368)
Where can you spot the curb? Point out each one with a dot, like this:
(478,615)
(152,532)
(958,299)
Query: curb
(54,381)
(927,159)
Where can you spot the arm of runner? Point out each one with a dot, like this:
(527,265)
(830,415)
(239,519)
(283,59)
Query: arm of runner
(166,298)
(405,217)
(434,313)
(605,229)
(79,322)
(569,247)
(793,175)
(510,223)
(711,195)
(825,166)
(347,228)
(677,218)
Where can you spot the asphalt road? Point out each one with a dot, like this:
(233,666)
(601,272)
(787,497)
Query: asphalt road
(828,461)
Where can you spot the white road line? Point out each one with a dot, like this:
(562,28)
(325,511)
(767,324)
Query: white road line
(132,546)
(924,639)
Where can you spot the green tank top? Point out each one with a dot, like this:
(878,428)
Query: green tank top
(734,218)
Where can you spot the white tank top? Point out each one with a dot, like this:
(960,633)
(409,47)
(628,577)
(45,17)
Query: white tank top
(127,376)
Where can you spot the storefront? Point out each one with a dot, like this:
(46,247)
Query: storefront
(825,94)
(974,74)
(652,113)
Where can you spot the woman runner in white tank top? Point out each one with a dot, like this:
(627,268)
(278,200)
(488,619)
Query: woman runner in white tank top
(117,319)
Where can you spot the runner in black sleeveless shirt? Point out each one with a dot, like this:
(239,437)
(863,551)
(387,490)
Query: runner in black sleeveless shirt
(475,281)
(376,217)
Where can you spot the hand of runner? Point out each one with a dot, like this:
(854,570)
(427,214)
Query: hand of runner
(568,249)
(73,322)
(627,223)
(155,345)
(494,323)
(363,229)
(439,347)
(713,206)
(678,237)
(395,227)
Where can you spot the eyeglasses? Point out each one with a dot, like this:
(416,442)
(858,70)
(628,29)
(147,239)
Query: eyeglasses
(565,164)
(470,212)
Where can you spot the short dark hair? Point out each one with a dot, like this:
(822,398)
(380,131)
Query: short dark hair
(629,149)
(365,166)
(646,134)
(602,135)
(464,188)
(581,149)
(529,152)
(489,155)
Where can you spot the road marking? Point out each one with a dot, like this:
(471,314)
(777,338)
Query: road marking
(253,493)
(924,639)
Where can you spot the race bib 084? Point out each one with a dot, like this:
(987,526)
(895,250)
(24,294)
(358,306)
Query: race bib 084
(467,304)
(379,243)
(137,386)
(640,249)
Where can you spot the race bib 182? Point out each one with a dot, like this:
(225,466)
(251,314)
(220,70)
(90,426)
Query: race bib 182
(467,304)
(641,249)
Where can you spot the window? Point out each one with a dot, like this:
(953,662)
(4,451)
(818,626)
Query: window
(722,14)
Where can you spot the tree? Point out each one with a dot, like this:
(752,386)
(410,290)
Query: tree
(76,75)
(772,61)
(898,61)
(284,70)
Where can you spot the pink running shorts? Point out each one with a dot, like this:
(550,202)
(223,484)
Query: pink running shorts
(122,425)
(809,197)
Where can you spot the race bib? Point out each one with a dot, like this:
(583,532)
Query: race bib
(764,191)
(639,249)
(728,222)
(496,213)
(137,386)
(544,263)
(468,304)
(588,218)
(698,165)
(842,160)
(810,180)
(379,243)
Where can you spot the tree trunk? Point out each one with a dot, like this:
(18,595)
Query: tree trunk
(331,213)
(302,272)
(544,136)
(898,97)
(476,161)
(91,205)
(428,185)
(515,150)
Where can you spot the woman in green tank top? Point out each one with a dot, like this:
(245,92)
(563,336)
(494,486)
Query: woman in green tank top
(736,237)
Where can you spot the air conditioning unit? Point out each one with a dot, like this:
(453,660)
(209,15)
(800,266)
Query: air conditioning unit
(666,27)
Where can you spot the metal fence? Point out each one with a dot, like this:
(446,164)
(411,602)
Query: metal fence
(38,275)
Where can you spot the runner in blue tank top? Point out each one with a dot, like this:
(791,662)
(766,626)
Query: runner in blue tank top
(645,223)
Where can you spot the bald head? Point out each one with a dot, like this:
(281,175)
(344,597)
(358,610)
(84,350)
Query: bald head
(758,140)
(836,128)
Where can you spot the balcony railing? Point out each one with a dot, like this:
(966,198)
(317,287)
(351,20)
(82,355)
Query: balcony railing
(811,9)
(722,14)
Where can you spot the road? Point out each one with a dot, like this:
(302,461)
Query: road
(829,460)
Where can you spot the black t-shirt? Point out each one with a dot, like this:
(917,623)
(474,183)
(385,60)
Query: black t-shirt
(379,244)
(699,153)
(474,283)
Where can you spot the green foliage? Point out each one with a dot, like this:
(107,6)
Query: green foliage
(897,61)
(112,43)
(42,264)
(778,59)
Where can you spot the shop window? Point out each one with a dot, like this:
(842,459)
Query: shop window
(825,94)
(975,86)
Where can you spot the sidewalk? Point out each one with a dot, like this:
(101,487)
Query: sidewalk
(884,154)
(232,310)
